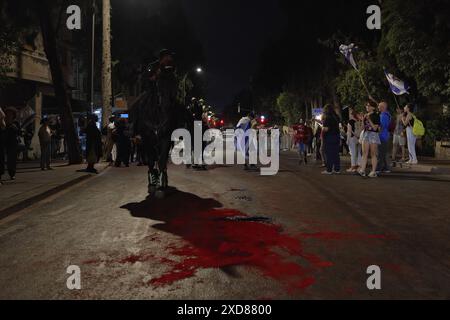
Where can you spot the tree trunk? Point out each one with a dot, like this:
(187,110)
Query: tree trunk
(59,83)
(106,64)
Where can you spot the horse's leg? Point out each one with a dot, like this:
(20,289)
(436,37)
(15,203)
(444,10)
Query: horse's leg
(164,148)
(153,175)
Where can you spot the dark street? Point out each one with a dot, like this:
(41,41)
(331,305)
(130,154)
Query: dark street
(230,234)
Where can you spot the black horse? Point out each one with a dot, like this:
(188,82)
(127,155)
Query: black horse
(155,115)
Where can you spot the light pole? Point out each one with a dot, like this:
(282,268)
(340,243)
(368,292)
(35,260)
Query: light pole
(92,55)
(106,62)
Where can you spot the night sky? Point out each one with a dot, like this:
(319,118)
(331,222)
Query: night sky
(233,34)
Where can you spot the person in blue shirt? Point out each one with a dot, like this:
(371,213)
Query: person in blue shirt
(385,121)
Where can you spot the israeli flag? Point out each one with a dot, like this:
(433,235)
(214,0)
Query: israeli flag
(347,51)
(398,87)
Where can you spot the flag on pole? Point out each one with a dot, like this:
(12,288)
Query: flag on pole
(398,87)
(347,51)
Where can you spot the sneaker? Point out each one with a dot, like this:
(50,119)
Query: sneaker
(351,170)
(362,173)
(373,175)
(337,172)
(387,171)
(327,173)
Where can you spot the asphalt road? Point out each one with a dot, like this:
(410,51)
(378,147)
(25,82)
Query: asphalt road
(230,234)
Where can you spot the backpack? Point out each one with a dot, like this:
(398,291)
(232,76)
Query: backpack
(418,127)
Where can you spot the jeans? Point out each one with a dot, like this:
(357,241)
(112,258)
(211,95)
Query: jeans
(382,156)
(332,145)
(301,148)
(355,151)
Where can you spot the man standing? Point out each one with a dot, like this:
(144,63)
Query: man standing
(385,120)
(45,140)
(9,143)
(301,139)
(94,148)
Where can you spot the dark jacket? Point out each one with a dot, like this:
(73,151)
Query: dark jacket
(94,140)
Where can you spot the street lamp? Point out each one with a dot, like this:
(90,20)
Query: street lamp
(198,70)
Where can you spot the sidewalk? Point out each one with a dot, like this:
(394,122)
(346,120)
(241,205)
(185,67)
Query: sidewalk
(33,185)
(426,165)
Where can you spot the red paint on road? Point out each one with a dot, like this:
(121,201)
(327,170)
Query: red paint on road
(214,242)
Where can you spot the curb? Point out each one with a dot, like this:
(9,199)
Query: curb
(37,198)
(440,170)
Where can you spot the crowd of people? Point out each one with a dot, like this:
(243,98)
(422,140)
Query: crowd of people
(15,141)
(365,135)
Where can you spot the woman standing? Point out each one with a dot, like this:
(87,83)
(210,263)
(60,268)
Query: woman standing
(370,139)
(408,122)
(45,140)
(331,140)
(353,134)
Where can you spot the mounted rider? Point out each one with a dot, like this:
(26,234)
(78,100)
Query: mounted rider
(155,115)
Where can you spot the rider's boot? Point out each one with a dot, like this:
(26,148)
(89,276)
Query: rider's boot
(153,181)
(163,184)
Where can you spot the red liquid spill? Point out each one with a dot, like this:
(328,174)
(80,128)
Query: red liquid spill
(209,240)
(215,242)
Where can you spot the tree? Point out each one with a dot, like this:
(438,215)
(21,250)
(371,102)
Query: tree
(44,10)
(416,39)
(25,15)
(351,90)
(290,107)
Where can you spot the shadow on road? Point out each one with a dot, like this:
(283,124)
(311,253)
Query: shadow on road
(176,204)
(215,238)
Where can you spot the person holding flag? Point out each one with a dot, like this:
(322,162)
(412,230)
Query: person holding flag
(347,51)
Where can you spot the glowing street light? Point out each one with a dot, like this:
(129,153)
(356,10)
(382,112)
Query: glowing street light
(199,70)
